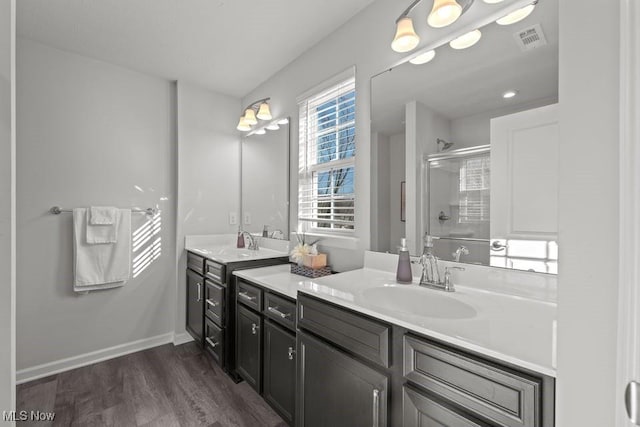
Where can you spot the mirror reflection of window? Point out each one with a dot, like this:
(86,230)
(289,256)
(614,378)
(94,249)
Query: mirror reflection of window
(474,193)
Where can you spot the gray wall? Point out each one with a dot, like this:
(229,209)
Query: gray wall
(208,159)
(588,213)
(89,133)
(7,168)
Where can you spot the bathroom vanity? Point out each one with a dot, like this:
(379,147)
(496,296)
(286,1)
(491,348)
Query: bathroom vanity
(371,352)
(210,296)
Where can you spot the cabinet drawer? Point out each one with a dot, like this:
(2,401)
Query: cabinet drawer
(419,409)
(195,262)
(214,271)
(362,336)
(281,310)
(214,302)
(510,399)
(249,295)
(214,341)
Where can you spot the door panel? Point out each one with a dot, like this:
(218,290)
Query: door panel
(248,346)
(279,385)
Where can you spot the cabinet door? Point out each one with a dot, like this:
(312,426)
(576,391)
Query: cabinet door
(336,390)
(195,305)
(279,385)
(421,410)
(248,346)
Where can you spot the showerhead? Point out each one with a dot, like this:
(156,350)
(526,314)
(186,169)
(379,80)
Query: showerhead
(445,145)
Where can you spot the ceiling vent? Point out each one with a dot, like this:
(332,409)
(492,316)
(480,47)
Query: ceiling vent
(530,38)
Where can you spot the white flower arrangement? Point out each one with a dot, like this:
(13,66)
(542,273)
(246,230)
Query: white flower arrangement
(303,248)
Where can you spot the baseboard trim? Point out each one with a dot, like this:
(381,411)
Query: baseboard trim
(182,338)
(62,365)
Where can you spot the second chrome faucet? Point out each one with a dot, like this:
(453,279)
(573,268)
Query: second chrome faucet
(430,270)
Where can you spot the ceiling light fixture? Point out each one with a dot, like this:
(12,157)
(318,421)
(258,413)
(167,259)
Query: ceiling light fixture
(517,15)
(466,40)
(509,94)
(256,110)
(443,13)
(423,58)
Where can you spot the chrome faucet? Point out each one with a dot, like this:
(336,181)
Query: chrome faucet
(448,284)
(462,250)
(253,241)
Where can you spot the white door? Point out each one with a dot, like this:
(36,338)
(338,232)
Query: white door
(628,381)
(524,189)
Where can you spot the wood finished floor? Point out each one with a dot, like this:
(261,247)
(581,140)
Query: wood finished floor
(163,386)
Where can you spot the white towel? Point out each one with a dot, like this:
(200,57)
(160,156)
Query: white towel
(102,225)
(101,266)
(102,215)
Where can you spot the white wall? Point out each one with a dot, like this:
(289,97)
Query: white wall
(423,127)
(208,158)
(89,133)
(588,213)
(7,204)
(397,174)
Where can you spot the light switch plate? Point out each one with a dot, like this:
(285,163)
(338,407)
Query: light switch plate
(233,218)
(247,218)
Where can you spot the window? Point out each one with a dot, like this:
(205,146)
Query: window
(326,186)
(474,190)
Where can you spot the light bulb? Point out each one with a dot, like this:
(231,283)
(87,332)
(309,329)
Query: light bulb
(250,117)
(466,40)
(264,113)
(516,16)
(406,38)
(443,13)
(423,58)
(242,125)
(509,94)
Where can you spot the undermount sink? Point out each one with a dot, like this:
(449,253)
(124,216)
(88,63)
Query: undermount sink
(415,300)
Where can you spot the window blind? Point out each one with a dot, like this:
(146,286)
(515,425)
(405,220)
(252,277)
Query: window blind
(326,163)
(474,190)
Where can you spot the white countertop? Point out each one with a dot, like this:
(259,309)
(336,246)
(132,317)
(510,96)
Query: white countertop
(221,248)
(513,329)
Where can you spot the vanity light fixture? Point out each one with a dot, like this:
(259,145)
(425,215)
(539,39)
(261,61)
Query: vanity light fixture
(443,13)
(517,15)
(466,40)
(509,94)
(250,118)
(423,58)
(273,125)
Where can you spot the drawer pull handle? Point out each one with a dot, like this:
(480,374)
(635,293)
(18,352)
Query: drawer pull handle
(291,352)
(212,343)
(246,296)
(199,298)
(212,303)
(277,312)
(376,408)
(254,328)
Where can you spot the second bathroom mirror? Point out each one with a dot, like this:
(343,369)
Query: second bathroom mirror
(265,182)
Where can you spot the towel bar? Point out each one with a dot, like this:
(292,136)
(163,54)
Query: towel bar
(56,210)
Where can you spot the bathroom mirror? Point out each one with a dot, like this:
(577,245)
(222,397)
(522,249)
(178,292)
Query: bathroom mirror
(265,182)
(498,208)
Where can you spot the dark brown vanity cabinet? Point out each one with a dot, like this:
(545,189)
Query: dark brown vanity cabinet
(195,297)
(249,346)
(266,345)
(337,384)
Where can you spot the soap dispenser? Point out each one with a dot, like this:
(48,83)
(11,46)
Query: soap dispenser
(403,273)
(240,241)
